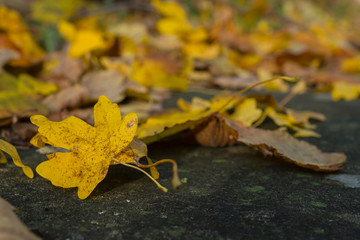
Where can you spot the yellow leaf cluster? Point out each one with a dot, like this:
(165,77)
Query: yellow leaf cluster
(242,109)
(175,22)
(152,73)
(19,37)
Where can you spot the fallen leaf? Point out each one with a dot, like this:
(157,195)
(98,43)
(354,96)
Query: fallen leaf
(82,40)
(66,98)
(344,90)
(282,145)
(13,104)
(7,55)
(19,134)
(62,70)
(174,20)
(10,225)
(110,83)
(28,85)
(153,73)
(159,127)
(351,65)
(246,112)
(19,38)
(92,149)
(295,120)
(51,12)
(219,131)
(11,150)
(213,132)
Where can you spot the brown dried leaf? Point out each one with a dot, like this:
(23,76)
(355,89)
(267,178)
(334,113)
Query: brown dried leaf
(63,70)
(66,98)
(214,132)
(109,83)
(10,225)
(219,131)
(19,134)
(282,145)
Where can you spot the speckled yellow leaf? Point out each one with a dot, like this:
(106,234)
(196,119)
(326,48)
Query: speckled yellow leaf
(11,150)
(91,148)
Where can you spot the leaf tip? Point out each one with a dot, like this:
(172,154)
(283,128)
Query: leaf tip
(36,119)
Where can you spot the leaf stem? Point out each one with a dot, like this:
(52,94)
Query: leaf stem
(253,86)
(135,167)
(175,181)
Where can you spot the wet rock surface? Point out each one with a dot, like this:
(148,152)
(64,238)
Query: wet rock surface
(230,193)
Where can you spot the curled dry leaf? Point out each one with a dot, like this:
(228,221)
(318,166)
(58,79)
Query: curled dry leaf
(219,131)
(282,145)
(10,225)
(214,133)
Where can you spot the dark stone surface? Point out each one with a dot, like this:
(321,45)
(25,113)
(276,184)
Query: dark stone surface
(231,192)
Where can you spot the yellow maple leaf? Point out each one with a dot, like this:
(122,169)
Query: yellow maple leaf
(11,150)
(92,149)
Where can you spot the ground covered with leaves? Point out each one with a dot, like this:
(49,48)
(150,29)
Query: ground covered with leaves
(205,86)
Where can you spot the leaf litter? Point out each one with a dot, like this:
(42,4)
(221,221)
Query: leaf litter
(136,63)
